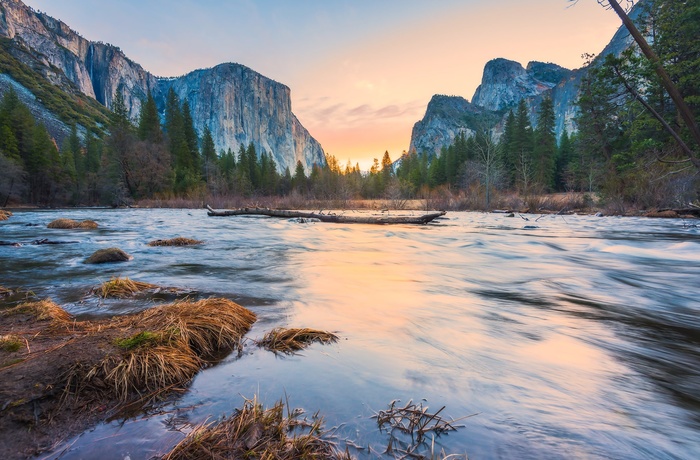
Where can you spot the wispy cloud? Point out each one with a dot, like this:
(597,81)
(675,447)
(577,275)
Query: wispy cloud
(319,111)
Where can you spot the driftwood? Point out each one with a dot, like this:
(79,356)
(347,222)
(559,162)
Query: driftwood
(35,242)
(340,219)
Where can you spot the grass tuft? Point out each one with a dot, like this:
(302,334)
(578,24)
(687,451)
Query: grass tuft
(256,432)
(102,256)
(142,339)
(41,310)
(4,215)
(292,340)
(70,223)
(144,370)
(120,288)
(10,343)
(179,241)
(179,338)
(207,326)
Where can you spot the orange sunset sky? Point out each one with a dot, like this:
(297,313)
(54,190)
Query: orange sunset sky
(361,72)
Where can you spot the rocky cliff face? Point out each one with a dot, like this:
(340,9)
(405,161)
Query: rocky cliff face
(445,118)
(504,84)
(239,105)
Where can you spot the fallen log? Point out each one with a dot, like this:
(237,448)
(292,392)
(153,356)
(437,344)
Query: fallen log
(335,218)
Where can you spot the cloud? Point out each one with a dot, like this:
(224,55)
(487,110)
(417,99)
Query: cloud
(319,111)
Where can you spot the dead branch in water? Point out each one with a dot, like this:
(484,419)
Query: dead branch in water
(415,421)
(334,218)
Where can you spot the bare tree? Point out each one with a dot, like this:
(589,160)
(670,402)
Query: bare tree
(490,165)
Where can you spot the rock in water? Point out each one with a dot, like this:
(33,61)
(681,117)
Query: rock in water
(108,255)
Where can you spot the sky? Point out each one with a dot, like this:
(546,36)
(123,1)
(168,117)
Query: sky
(361,72)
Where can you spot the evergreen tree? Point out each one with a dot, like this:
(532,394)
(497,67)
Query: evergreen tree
(190,136)
(299,179)
(563,177)
(521,150)
(509,148)
(208,155)
(120,114)
(545,148)
(149,121)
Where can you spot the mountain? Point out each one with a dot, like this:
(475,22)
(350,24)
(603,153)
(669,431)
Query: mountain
(503,85)
(238,105)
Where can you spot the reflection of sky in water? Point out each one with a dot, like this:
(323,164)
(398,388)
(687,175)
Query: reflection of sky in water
(578,339)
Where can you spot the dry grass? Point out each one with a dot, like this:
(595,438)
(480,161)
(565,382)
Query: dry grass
(292,340)
(179,241)
(120,288)
(172,343)
(40,311)
(102,256)
(256,432)
(4,292)
(70,223)
(10,343)
(145,370)
(207,326)
(4,215)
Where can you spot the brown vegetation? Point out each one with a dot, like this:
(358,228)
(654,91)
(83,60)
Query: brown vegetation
(102,256)
(4,215)
(4,292)
(666,214)
(292,340)
(120,288)
(39,311)
(76,373)
(256,432)
(70,224)
(179,241)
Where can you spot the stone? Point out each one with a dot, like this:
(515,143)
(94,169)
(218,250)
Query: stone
(239,105)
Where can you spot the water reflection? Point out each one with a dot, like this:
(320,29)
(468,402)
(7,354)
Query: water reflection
(577,339)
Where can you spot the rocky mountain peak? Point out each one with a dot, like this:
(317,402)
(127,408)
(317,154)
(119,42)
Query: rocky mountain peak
(504,82)
(239,105)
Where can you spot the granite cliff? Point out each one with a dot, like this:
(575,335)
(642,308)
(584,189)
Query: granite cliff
(504,84)
(238,105)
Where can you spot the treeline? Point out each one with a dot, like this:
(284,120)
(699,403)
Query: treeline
(630,146)
(152,159)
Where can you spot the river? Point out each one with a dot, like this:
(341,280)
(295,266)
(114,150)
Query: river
(565,337)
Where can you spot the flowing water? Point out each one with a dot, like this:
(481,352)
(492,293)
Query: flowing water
(568,337)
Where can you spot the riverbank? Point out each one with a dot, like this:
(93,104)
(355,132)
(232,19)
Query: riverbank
(61,375)
(568,203)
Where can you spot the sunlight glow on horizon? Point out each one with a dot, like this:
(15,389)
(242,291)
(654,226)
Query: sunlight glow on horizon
(361,73)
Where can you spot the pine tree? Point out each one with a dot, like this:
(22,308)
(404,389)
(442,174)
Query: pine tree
(545,148)
(190,136)
(521,150)
(208,154)
(299,179)
(120,114)
(510,150)
(149,121)
(563,179)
